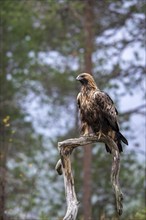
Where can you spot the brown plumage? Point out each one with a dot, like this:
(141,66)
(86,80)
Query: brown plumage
(97,111)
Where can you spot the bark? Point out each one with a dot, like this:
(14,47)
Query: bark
(2,192)
(87,158)
(64,166)
(89,35)
(3,159)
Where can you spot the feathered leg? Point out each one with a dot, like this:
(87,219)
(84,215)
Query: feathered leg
(99,134)
(85,129)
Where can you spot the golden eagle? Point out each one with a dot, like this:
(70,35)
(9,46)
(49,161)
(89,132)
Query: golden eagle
(97,111)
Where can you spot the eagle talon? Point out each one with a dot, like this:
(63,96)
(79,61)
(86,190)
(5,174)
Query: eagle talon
(88,135)
(99,135)
(85,135)
(91,135)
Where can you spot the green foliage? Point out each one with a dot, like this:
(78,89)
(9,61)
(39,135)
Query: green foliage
(140,215)
(42,51)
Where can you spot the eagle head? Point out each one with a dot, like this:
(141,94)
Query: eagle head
(86,79)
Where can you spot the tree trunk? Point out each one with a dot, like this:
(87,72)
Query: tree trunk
(2,193)
(3,155)
(87,158)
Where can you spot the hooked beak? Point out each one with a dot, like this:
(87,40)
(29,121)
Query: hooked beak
(78,78)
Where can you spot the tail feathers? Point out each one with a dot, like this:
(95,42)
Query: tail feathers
(118,144)
(122,138)
(119,137)
(107,148)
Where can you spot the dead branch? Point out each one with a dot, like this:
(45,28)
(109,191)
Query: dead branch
(136,110)
(63,166)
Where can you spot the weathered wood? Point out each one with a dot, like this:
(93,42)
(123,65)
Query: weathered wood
(58,167)
(63,166)
(115,182)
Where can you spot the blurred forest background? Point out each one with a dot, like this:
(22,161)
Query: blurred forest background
(44,45)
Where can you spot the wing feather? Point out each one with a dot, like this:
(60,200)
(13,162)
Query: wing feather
(78,100)
(107,108)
